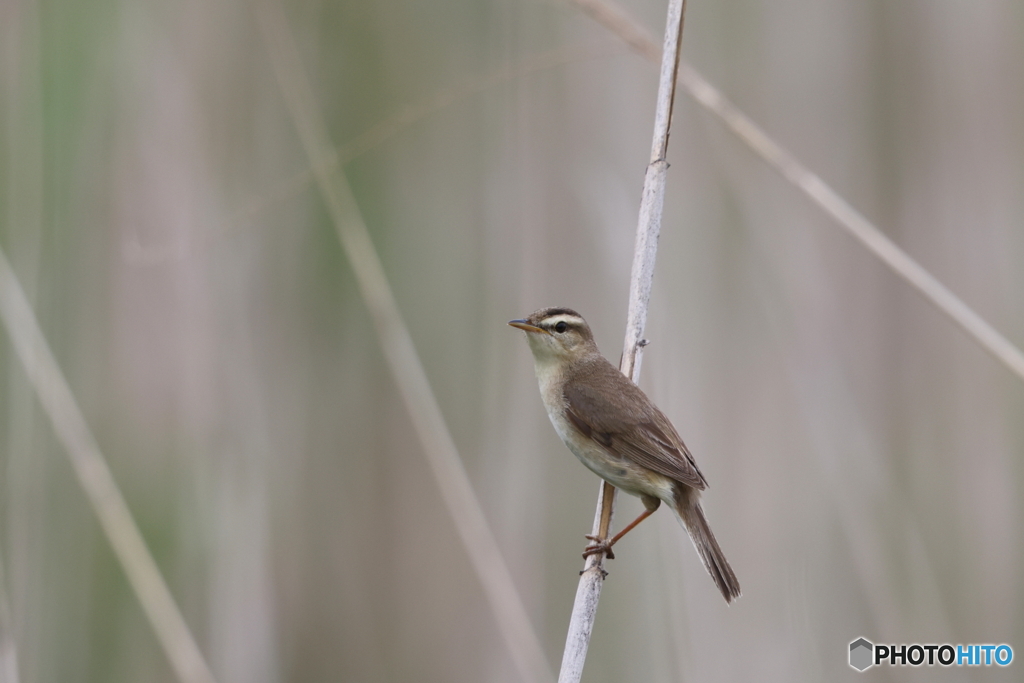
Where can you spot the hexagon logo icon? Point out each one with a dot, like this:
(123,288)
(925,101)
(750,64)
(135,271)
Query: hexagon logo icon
(861,654)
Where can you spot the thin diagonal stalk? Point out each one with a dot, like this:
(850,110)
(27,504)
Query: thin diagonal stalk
(793,170)
(400,353)
(648,228)
(97,481)
(8,647)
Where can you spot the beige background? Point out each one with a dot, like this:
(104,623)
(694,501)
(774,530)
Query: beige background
(864,455)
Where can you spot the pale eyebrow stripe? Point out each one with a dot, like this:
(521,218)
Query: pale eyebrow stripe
(563,318)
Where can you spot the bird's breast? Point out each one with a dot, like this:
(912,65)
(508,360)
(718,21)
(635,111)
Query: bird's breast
(620,472)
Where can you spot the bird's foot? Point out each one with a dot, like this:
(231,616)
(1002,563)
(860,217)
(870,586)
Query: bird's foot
(599,545)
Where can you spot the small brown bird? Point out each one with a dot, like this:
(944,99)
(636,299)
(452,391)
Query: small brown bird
(618,433)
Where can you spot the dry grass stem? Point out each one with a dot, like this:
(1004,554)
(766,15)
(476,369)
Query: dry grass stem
(588,593)
(783,161)
(97,481)
(456,490)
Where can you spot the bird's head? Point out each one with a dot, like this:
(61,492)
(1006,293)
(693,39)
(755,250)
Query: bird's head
(557,335)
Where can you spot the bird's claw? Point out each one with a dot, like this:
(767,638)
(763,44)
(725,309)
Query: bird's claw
(604,573)
(599,546)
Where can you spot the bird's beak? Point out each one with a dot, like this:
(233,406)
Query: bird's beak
(524,325)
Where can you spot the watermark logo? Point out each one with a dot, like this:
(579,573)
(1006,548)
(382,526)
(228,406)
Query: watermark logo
(865,654)
(861,654)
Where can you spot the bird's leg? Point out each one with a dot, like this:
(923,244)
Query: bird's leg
(601,545)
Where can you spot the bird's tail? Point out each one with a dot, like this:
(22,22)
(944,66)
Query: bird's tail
(692,518)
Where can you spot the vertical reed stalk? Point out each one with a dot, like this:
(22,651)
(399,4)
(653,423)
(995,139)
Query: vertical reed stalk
(652,201)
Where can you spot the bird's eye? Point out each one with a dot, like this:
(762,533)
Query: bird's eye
(561,327)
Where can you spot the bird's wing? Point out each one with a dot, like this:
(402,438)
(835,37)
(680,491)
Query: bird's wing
(640,433)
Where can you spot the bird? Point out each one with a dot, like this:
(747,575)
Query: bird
(618,433)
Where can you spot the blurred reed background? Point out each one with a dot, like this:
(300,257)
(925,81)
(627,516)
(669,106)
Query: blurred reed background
(864,455)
